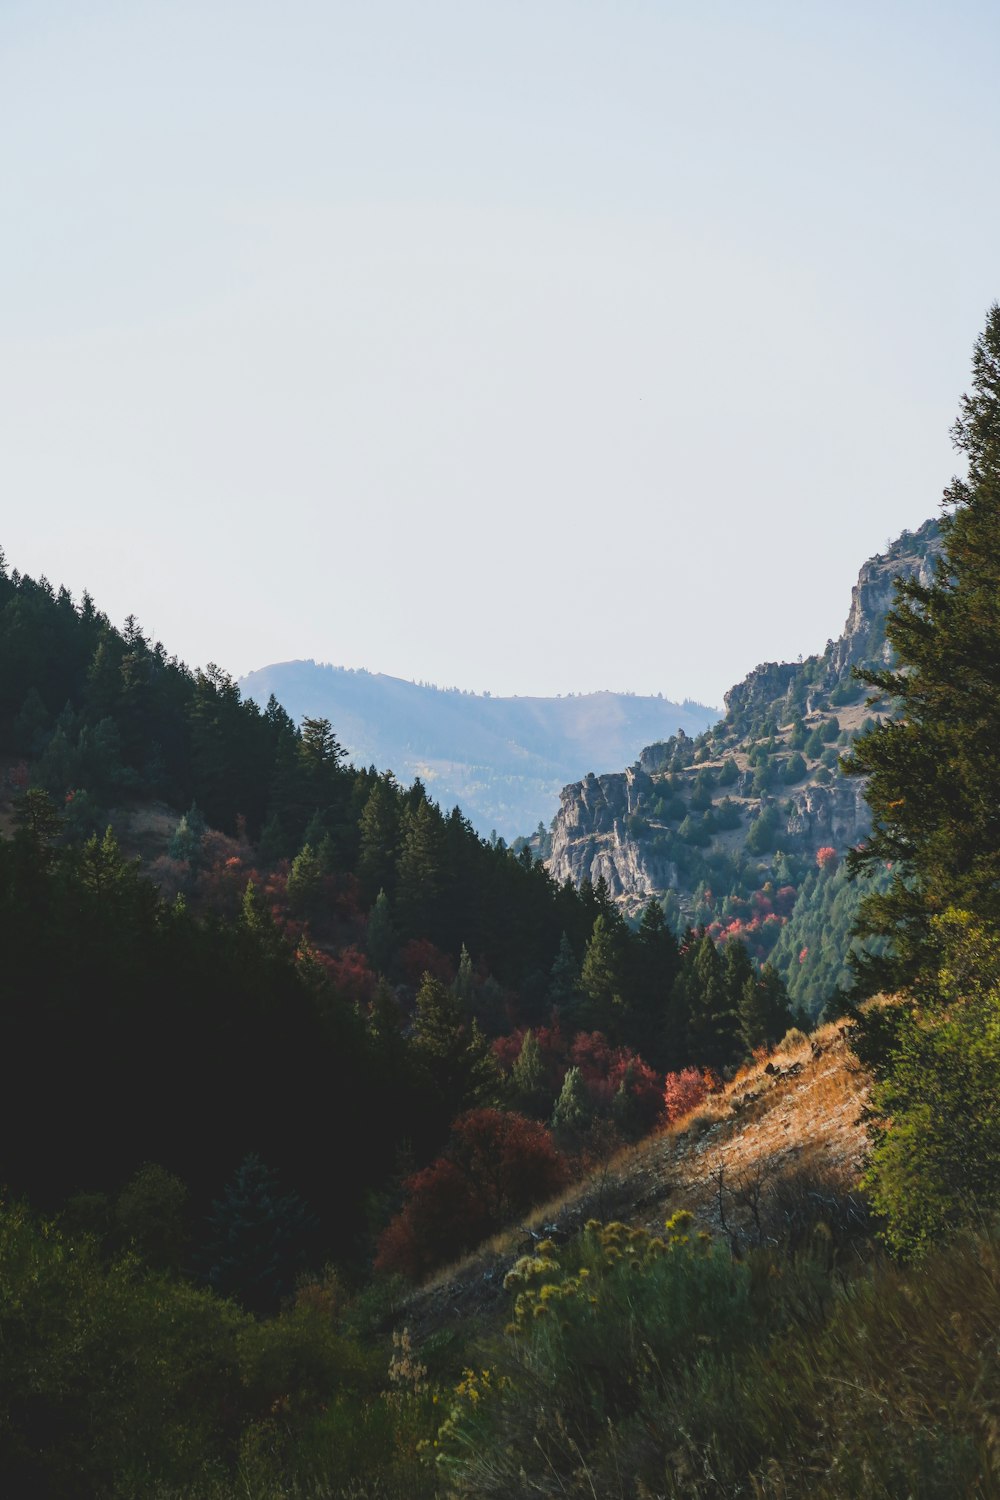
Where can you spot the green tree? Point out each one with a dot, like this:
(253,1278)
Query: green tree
(528,1090)
(455,1055)
(186,842)
(258,1238)
(763,1009)
(151,1216)
(380,936)
(711,1018)
(573,1112)
(602,975)
(379,831)
(420,871)
(934,768)
(306,885)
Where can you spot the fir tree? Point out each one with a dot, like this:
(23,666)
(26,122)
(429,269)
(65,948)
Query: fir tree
(934,768)
(528,1089)
(380,936)
(257,1238)
(573,1112)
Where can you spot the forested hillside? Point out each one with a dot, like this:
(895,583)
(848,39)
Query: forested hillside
(503,760)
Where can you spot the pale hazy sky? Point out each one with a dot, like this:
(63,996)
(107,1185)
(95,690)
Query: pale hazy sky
(537,347)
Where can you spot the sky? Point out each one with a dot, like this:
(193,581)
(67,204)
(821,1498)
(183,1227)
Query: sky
(541,346)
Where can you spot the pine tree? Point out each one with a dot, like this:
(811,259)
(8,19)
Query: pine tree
(380,936)
(564,977)
(712,1021)
(186,842)
(573,1112)
(602,976)
(464,984)
(420,870)
(379,839)
(257,1238)
(763,1009)
(934,769)
(529,1093)
(457,1057)
(306,885)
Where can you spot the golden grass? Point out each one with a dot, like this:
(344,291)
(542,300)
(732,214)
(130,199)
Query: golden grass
(805,1115)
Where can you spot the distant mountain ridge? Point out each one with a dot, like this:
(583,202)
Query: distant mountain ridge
(504,761)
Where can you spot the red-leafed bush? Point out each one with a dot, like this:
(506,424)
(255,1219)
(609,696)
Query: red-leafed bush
(604,1069)
(350,974)
(826,858)
(420,957)
(497,1165)
(684,1091)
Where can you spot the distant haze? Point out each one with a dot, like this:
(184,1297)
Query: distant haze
(504,761)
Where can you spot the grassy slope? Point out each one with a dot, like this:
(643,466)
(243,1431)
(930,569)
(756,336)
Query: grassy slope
(797,1128)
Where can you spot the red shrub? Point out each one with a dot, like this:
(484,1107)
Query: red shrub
(497,1165)
(826,858)
(420,957)
(683,1092)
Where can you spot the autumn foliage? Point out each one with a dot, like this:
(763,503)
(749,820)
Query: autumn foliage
(496,1166)
(684,1091)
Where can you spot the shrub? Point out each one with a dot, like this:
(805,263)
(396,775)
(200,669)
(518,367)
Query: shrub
(683,1092)
(497,1166)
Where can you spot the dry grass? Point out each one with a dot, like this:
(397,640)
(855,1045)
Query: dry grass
(800,1119)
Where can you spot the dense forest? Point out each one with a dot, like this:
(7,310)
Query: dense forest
(323,1038)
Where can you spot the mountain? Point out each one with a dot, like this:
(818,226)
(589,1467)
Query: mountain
(502,760)
(743,827)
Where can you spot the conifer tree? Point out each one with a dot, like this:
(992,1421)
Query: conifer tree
(380,936)
(379,839)
(711,1030)
(257,1238)
(529,1093)
(602,977)
(420,870)
(763,1009)
(573,1112)
(934,769)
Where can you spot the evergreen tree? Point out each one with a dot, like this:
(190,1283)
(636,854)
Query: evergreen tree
(306,885)
(380,936)
(602,976)
(420,870)
(573,1112)
(711,1032)
(528,1089)
(764,1012)
(379,839)
(655,964)
(564,977)
(257,1238)
(456,1057)
(464,985)
(186,842)
(934,768)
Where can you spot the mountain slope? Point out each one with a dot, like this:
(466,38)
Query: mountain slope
(503,760)
(737,828)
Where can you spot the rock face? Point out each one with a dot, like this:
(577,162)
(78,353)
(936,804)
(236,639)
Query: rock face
(591,839)
(659,825)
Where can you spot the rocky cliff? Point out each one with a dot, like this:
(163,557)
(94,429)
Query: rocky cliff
(748,804)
